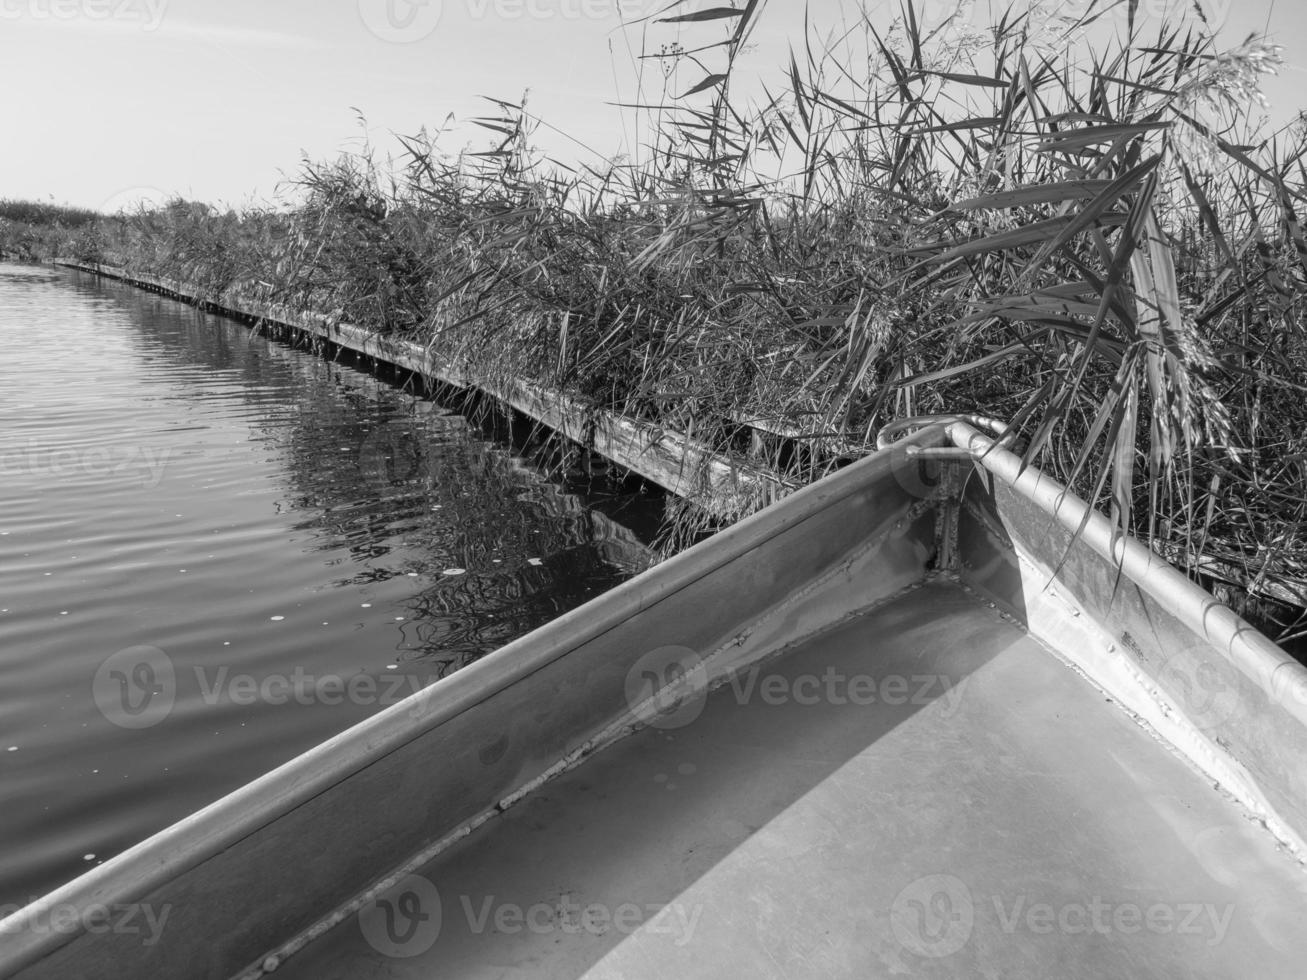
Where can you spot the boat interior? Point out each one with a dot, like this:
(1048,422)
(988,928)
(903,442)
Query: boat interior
(931,716)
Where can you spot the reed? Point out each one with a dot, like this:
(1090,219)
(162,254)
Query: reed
(1094,241)
(34,231)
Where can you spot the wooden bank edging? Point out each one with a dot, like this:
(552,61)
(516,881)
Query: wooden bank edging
(720,484)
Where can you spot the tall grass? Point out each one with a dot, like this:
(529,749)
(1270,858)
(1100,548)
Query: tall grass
(1091,240)
(36,230)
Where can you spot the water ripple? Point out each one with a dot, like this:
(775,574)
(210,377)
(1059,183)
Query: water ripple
(266,519)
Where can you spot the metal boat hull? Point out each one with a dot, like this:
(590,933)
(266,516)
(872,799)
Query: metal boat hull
(888,726)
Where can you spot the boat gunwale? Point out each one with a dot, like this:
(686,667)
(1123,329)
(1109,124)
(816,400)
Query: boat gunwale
(135,873)
(1282,677)
(249,809)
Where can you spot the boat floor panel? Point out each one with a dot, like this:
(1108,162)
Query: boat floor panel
(925,791)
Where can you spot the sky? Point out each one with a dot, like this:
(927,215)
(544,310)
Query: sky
(107,102)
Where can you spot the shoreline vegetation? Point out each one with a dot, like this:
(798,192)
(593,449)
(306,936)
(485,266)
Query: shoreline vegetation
(1098,243)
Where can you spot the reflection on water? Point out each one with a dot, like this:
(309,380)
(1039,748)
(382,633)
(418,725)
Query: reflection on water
(281,545)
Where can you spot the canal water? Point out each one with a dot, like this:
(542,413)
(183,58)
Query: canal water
(216,551)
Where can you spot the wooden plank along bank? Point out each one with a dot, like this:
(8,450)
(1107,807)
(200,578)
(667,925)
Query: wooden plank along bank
(724,486)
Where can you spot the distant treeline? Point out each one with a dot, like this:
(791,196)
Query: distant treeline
(34,231)
(41,213)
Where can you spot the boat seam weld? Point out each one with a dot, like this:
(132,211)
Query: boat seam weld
(1217,766)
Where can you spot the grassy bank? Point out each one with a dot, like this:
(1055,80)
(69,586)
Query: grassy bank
(1093,240)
